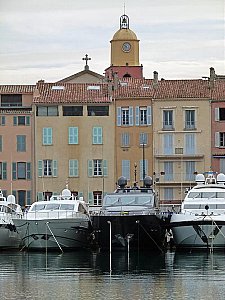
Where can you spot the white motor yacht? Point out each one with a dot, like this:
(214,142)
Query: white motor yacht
(61,222)
(201,221)
(9,237)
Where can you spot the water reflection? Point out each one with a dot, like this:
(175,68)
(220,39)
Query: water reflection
(85,275)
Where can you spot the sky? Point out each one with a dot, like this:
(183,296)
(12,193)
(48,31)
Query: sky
(47,39)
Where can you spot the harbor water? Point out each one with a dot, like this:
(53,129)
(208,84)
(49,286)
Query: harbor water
(86,275)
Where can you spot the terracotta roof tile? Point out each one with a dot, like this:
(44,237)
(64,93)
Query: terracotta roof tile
(194,88)
(71,93)
(17,89)
(218,92)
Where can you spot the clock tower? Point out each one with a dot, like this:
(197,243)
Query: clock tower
(124,52)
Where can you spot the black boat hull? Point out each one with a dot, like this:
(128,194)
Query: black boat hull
(146,232)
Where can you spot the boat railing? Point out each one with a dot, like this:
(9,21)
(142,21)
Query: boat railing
(124,213)
(37,215)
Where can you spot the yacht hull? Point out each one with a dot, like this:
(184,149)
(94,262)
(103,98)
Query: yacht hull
(145,232)
(52,233)
(9,237)
(198,232)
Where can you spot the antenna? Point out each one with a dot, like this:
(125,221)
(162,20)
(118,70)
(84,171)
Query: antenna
(124,6)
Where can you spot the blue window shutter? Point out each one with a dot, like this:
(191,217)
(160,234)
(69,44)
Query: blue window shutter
(118,116)
(168,143)
(14,171)
(44,136)
(0,143)
(95,135)
(55,168)
(90,168)
(28,170)
(40,196)
(4,170)
(73,135)
(217,139)
(14,121)
(131,116)
(105,168)
(28,197)
(137,116)
(40,167)
(126,169)
(149,115)
(49,136)
(100,135)
(73,168)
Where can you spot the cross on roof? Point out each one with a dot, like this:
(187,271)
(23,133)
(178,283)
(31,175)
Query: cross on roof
(86,58)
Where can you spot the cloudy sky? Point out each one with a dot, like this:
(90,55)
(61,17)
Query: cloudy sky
(46,39)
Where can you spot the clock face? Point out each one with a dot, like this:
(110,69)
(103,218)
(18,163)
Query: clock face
(126,47)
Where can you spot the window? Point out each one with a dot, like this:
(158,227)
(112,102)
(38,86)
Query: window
(72,110)
(125,139)
(190,170)
(168,144)
(168,169)
(3,170)
(143,138)
(168,194)
(97,167)
(143,168)
(98,110)
(21,170)
(220,139)
(189,119)
(125,116)
(97,135)
(220,114)
(167,119)
(11,100)
(142,115)
(97,195)
(222,165)
(21,120)
(47,111)
(2,120)
(190,143)
(126,169)
(21,143)
(73,135)
(21,197)
(47,136)
(47,167)
(1,145)
(73,168)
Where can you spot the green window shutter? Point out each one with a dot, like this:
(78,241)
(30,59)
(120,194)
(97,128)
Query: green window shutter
(80,194)
(14,121)
(47,136)
(97,135)
(14,193)
(4,170)
(28,170)
(40,167)
(105,168)
(90,198)
(28,202)
(73,168)
(55,168)
(14,171)
(27,120)
(40,196)
(90,168)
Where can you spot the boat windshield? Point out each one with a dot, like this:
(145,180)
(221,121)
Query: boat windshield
(52,206)
(206,195)
(5,209)
(115,200)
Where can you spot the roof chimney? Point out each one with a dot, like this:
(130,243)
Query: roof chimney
(155,78)
(212,77)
